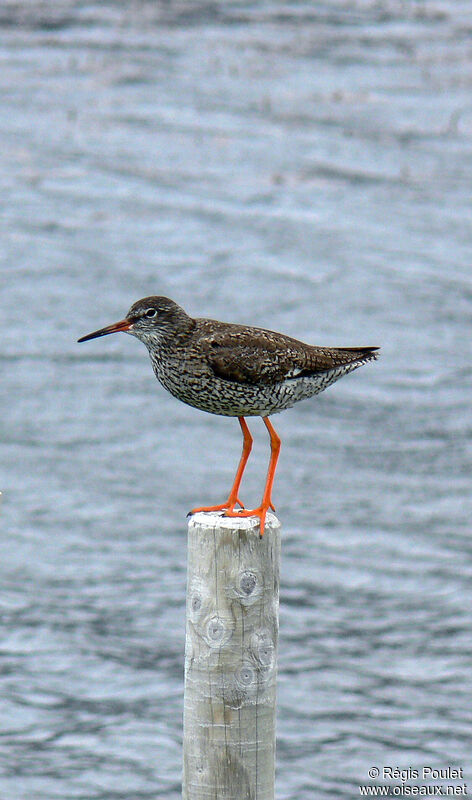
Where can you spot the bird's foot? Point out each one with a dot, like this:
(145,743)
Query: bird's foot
(255,512)
(228,506)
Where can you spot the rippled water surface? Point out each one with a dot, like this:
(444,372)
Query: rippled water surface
(299,166)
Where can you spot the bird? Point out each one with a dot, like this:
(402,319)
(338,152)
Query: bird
(235,371)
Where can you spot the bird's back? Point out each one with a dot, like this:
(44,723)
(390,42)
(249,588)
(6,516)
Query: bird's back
(236,370)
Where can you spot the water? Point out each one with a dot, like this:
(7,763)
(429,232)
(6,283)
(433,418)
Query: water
(304,167)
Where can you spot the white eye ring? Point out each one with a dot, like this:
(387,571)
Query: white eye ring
(151,312)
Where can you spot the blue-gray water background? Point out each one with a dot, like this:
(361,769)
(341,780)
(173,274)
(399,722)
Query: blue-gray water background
(300,166)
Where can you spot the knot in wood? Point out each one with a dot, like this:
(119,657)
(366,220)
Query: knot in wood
(196,602)
(247,582)
(242,685)
(245,677)
(247,586)
(216,633)
(263,648)
(199,601)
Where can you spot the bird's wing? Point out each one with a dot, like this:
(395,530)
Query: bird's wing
(257,356)
(248,360)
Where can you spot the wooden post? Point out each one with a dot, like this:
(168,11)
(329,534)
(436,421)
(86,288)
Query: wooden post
(231,658)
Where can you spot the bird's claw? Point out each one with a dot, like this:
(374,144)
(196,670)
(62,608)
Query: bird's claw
(228,506)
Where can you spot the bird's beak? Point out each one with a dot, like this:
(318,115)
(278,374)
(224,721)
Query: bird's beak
(122,325)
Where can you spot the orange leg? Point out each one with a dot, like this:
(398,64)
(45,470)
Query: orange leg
(267,496)
(233,498)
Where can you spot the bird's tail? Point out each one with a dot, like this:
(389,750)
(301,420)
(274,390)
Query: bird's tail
(360,354)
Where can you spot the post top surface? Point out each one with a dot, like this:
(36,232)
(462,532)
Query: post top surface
(212,519)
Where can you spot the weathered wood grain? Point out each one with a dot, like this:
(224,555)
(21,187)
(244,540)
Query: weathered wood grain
(231,658)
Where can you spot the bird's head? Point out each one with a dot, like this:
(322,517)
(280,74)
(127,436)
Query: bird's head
(151,320)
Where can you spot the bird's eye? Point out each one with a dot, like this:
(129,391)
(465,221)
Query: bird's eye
(151,312)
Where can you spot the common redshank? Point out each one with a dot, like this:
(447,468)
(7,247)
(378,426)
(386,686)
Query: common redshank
(236,371)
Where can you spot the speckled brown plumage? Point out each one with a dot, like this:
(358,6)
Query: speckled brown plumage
(234,370)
